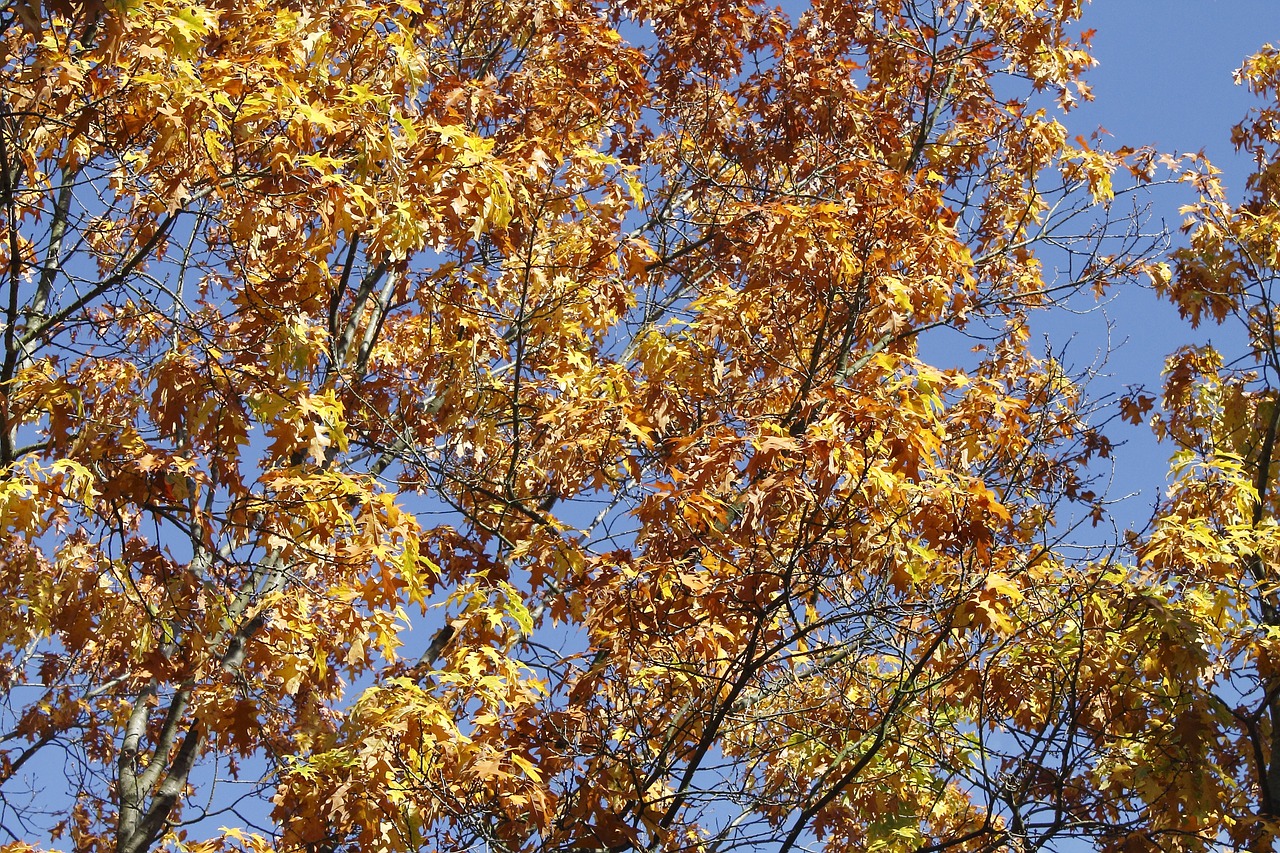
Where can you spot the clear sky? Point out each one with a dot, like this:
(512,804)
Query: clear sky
(1164,79)
(1165,69)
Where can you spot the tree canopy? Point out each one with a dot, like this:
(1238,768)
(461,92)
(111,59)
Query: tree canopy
(553,426)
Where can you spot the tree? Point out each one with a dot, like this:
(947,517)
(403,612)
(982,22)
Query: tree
(585,338)
(1211,687)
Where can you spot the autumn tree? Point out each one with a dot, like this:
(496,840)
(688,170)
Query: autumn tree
(1199,761)
(584,340)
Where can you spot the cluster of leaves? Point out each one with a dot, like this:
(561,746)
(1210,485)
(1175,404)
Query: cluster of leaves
(584,339)
(1211,552)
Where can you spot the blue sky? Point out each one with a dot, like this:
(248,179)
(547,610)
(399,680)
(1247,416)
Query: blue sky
(1164,79)
(1165,69)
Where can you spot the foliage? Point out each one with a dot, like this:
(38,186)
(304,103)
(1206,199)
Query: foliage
(1212,549)
(588,341)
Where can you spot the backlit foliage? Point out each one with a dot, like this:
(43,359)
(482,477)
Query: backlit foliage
(506,425)
(1211,554)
